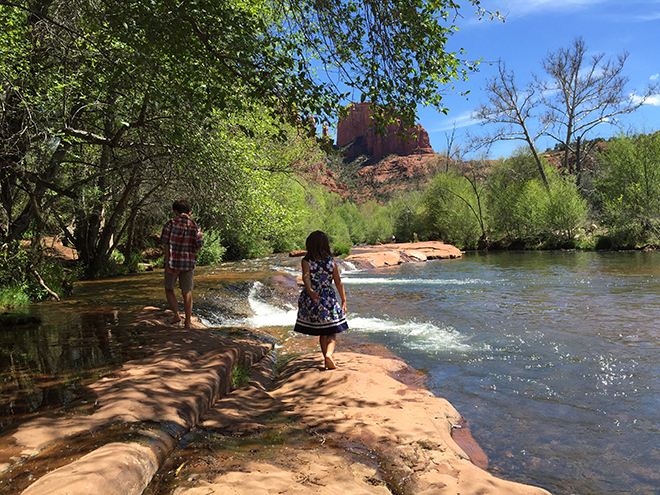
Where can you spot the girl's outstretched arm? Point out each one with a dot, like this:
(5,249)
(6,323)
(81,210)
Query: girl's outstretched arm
(340,287)
(307,280)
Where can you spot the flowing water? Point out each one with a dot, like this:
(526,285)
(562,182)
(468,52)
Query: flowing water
(551,356)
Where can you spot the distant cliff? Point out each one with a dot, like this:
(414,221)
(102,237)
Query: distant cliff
(358,137)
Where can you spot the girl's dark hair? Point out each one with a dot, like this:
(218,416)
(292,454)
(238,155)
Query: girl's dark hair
(318,246)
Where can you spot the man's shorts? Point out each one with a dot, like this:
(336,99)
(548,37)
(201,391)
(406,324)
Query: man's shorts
(185,280)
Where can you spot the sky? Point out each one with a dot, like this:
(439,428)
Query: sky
(531,30)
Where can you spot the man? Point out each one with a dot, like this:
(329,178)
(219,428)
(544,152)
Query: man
(181,239)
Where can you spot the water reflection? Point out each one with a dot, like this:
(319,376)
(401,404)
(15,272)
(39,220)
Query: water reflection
(47,365)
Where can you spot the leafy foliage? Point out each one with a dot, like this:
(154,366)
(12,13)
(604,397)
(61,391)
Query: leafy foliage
(213,250)
(408,220)
(630,189)
(523,210)
(113,108)
(449,210)
(24,270)
(240,375)
(379,224)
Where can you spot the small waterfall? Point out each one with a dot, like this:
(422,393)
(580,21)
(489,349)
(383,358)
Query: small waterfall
(268,315)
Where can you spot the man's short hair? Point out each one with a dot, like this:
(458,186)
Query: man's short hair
(181,206)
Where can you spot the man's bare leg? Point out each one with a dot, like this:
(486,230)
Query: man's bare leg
(187,307)
(174,305)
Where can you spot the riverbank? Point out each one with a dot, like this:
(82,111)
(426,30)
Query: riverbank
(366,428)
(397,253)
(382,255)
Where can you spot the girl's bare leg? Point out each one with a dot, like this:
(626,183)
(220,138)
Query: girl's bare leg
(328,349)
(323,340)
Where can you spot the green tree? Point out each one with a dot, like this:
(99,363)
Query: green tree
(522,210)
(451,210)
(109,106)
(378,222)
(354,222)
(630,189)
(408,219)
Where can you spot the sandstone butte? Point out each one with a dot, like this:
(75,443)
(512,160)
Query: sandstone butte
(357,135)
(371,427)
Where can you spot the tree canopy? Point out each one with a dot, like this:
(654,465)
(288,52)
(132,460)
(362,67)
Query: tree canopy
(109,108)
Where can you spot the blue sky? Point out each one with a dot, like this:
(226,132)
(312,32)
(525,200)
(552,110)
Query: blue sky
(532,29)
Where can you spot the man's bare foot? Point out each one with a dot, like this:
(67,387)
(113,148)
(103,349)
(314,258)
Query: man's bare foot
(330,363)
(187,324)
(175,320)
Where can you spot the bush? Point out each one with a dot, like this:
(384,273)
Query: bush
(451,210)
(213,250)
(378,224)
(341,250)
(19,266)
(525,212)
(630,189)
(13,297)
(563,211)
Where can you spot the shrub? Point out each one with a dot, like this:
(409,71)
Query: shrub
(451,210)
(378,224)
(213,250)
(525,212)
(630,189)
(19,266)
(341,250)
(13,297)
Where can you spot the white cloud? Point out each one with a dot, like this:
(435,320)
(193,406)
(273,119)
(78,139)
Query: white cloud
(654,77)
(447,124)
(651,16)
(652,100)
(519,8)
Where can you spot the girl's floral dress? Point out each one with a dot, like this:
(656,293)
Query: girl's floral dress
(326,316)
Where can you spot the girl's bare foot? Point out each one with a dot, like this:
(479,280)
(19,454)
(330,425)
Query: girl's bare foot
(330,363)
(175,320)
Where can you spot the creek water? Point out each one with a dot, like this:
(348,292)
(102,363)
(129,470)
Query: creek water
(551,356)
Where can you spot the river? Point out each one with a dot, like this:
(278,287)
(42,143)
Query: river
(552,357)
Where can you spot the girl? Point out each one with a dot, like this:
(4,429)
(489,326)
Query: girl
(319,313)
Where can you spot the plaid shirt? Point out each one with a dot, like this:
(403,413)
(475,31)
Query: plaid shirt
(184,239)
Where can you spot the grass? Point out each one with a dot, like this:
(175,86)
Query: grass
(240,375)
(13,297)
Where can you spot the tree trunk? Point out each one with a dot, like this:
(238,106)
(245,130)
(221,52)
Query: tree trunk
(578,164)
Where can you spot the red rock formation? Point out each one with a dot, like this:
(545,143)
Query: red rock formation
(356,128)
(588,162)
